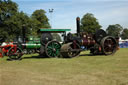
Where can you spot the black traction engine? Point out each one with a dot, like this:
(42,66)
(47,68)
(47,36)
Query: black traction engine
(98,43)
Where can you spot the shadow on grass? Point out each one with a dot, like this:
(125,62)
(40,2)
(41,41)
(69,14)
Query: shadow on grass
(45,57)
(28,57)
(91,54)
(36,57)
(86,55)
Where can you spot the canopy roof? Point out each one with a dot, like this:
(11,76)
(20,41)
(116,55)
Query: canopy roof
(54,30)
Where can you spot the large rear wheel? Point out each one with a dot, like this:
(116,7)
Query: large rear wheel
(109,45)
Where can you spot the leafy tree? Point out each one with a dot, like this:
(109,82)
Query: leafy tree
(89,23)
(41,18)
(124,34)
(12,21)
(8,9)
(24,20)
(114,30)
(35,26)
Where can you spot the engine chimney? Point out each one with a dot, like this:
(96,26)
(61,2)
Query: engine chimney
(78,25)
(23,33)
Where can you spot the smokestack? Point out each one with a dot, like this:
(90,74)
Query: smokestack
(78,25)
(23,33)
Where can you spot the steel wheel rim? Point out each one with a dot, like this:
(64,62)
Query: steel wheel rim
(52,49)
(14,55)
(109,45)
(66,50)
(75,53)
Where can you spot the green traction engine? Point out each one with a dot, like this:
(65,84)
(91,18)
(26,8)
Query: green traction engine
(31,46)
(49,46)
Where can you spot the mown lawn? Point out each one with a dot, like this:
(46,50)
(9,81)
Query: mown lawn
(82,70)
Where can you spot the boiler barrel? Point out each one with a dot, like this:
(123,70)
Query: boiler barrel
(31,45)
(88,42)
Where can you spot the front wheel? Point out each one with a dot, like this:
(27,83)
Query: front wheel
(15,53)
(70,50)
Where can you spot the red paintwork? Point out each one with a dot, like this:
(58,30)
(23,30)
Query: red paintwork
(88,41)
(6,48)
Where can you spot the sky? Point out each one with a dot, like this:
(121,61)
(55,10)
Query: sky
(108,12)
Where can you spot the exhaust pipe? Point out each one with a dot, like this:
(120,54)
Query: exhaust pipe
(78,26)
(23,34)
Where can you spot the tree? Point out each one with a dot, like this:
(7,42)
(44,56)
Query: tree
(39,20)
(89,23)
(8,9)
(12,21)
(42,19)
(114,30)
(124,34)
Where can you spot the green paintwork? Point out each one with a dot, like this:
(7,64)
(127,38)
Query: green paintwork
(54,30)
(33,45)
(53,49)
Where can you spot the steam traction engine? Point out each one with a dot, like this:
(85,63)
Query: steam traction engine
(16,49)
(49,46)
(98,43)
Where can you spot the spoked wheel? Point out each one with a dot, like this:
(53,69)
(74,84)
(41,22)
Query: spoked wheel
(70,50)
(52,49)
(14,53)
(109,45)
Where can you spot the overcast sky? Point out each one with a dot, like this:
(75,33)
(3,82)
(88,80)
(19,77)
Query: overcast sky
(65,11)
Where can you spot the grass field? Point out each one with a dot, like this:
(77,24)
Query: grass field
(82,70)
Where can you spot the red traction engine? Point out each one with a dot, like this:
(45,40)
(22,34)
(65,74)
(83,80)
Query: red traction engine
(4,49)
(10,50)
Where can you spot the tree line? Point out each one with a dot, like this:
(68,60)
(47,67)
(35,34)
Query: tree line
(90,24)
(12,21)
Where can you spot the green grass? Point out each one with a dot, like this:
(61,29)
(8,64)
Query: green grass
(82,70)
